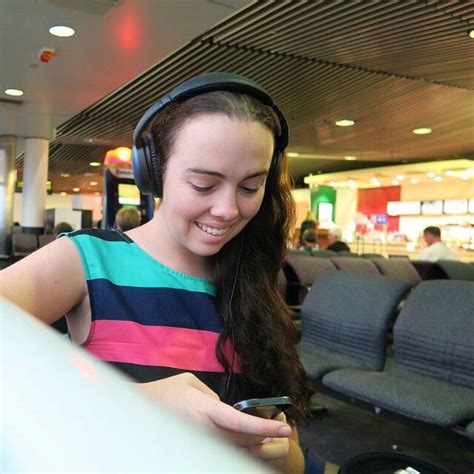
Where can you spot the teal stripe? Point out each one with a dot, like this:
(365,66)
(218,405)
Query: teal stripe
(125,264)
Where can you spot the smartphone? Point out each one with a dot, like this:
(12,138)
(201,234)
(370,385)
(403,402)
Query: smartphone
(264,407)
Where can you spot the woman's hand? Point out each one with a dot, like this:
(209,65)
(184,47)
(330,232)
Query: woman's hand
(185,394)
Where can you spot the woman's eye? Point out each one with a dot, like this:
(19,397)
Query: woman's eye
(247,190)
(201,189)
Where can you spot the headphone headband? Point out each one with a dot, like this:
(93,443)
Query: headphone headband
(143,149)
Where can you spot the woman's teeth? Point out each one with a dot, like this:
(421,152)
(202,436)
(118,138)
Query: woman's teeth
(212,230)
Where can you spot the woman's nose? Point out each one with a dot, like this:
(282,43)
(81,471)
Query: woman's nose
(226,206)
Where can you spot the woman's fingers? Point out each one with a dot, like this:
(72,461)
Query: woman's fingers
(271,449)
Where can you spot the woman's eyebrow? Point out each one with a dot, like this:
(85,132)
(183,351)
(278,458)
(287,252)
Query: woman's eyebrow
(220,175)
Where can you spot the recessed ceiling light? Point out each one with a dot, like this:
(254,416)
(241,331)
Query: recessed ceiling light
(95,163)
(63,193)
(471,34)
(400,177)
(293,154)
(422,131)
(352,183)
(15,92)
(413,181)
(431,174)
(344,123)
(437,179)
(395,182)
(65,175)
(93,183)
(76,190)
(375,181)
(61,31)
(449,173)
(350,158)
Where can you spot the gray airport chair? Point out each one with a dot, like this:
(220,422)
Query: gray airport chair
(432,379)
(457,270)
(324,253)
(352,264)
(24,244)
(344,321)
(398,268)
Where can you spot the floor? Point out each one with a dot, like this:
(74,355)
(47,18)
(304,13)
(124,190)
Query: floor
(347,430)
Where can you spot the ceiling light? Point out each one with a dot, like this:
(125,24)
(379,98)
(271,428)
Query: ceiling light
(350,158)
(437,179)
(449,173)
(293,154)
(93,183)
(63,193)
(97,193)
(344,123)
(15,92)
(375,181)
(422,131)
(76,190)
(395,182)
(95,163)
(400,177)
(413,181)
(431,174)
(332,183)
(471,34)
(351,183)
(61,31)
(65,175)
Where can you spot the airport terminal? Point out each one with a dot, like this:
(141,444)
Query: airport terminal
(212,205)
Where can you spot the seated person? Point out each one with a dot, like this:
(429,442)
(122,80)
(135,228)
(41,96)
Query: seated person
(61,227)
(335,242)
(127,218)
(309,241)
(436,249)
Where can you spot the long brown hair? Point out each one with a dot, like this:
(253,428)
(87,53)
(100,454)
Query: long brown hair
(258,321)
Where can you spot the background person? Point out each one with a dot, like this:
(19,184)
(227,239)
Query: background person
(335,242)
(309,241)
(179,303)
(436,249)
(127,218)
(62,227)
(308,223)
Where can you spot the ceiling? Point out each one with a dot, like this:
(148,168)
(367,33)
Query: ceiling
(389,65)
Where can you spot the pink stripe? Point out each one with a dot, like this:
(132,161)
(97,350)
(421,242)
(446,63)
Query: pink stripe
(130,342)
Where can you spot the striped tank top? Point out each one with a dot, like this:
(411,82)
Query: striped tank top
(148,320)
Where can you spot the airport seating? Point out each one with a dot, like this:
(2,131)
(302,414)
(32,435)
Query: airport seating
(432,379)
(324,253)
(24,244)
(398,268)
(429,270)
(470,430)
(344,320)
(351,264)
(45,239)
(372,255)
(456,270)
(347,253)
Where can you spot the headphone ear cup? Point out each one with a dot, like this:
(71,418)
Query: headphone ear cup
(141,170)
(155,165)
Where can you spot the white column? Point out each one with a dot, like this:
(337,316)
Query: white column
(7,191)
(35,175)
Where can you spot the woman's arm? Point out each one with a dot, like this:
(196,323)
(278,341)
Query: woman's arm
(47,283)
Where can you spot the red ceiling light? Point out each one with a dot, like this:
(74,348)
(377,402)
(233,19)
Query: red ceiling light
(46,54)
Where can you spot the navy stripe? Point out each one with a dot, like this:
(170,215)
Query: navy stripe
(103,234)
(153,306)
(242,389)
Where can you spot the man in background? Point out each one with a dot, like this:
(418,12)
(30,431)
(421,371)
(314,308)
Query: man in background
(335,242)
(436,249)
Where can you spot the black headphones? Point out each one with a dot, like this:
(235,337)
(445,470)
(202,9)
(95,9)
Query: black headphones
(147,166)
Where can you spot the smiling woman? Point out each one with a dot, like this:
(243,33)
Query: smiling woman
(187,304)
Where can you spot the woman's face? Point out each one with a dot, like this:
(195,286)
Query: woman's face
(214,182)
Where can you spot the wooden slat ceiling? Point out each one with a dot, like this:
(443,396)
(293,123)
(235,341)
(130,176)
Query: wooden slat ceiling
(389,65)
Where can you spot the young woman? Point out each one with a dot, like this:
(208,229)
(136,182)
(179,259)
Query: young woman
(187,304)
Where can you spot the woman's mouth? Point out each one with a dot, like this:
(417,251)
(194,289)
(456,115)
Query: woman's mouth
(212,230)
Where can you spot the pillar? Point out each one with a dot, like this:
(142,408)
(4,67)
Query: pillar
(35,175)
(7,191)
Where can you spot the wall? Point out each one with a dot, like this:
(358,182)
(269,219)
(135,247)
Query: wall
(85,201)
(302,199)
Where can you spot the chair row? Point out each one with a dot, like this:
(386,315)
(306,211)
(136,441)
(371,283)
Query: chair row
(24,244)
(344,324)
